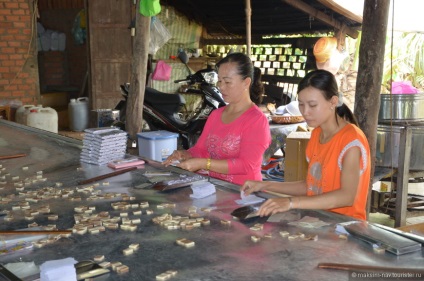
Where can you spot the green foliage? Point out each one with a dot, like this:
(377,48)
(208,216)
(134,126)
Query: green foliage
(406,61)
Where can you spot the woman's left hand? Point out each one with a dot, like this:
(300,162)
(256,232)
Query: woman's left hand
(273,206)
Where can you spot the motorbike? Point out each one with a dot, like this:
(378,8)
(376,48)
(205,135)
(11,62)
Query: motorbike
(164,111)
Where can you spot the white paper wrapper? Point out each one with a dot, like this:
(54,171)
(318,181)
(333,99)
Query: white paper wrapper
(249,199)
(202,190)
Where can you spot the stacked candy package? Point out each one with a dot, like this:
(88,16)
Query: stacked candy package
(103,145)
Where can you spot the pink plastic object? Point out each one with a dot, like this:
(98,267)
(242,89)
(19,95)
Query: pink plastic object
(403,87)
(125,163)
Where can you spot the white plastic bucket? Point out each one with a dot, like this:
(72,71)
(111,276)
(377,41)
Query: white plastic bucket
(78,114)
(21,112)
(43,118)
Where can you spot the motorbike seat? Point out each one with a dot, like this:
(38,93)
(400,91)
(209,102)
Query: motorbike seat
(167,104)
(154,96)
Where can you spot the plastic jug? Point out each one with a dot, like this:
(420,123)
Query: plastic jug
(21,112)
(78,114)
(43,118)
(62,41)
(54,42)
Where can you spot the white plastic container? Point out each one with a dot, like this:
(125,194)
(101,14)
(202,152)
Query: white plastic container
(27,111)
(43,118)
(46,40)
(62,41)
(54,42)
(157,145)
(21,113)
(78,114)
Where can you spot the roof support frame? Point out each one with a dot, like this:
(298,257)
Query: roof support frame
(322,17)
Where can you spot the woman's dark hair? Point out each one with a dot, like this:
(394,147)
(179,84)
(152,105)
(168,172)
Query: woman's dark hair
(325,81)
(246,69)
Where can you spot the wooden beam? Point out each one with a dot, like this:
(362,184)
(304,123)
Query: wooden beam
(248,27)
(302,42)
(322,17)
(339,9)
(370,73)
(134,110)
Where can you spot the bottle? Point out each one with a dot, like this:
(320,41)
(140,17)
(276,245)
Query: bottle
(78,114)
(180,49)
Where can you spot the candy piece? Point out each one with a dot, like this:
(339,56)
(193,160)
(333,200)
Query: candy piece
(122,269)
(185,242)
(255,238)
(99,258)
(128,251)
(284,233)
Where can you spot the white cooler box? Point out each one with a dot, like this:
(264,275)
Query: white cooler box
(157,145)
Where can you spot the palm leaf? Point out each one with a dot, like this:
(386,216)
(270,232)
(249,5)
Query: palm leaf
(406,61)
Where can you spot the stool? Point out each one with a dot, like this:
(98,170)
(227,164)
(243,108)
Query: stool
(5,112)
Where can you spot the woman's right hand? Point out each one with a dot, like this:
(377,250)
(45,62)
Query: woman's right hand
(176,157)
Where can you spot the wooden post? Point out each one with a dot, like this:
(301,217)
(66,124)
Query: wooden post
(404,159)
(134,111)
(370,73)
(248,28)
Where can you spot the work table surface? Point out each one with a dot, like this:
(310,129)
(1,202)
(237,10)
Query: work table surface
(221,251)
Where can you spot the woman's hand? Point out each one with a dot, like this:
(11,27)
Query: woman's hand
(274,205)
(252,186)
(177,156)
(192,164)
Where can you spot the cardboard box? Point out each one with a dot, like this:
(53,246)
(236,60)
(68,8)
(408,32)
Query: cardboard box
(157,145)
(103,117)
(296,166)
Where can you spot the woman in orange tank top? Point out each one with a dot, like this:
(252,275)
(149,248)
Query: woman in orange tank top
(338,156)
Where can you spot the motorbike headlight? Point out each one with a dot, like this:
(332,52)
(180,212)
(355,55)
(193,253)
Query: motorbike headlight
(210,77)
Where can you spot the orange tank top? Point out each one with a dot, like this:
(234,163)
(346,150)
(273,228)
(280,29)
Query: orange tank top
(325,166)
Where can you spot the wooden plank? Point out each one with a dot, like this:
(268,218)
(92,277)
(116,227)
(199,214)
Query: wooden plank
(414,228)
(110,50)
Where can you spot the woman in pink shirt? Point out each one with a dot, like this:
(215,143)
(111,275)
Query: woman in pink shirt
(235,136)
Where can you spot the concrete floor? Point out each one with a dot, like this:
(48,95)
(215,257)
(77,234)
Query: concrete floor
(381,218)
(385,219)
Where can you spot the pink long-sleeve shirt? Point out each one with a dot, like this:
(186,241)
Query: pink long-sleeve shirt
(242,142)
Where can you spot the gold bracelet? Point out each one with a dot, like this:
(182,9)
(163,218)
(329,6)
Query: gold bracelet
(208,164)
